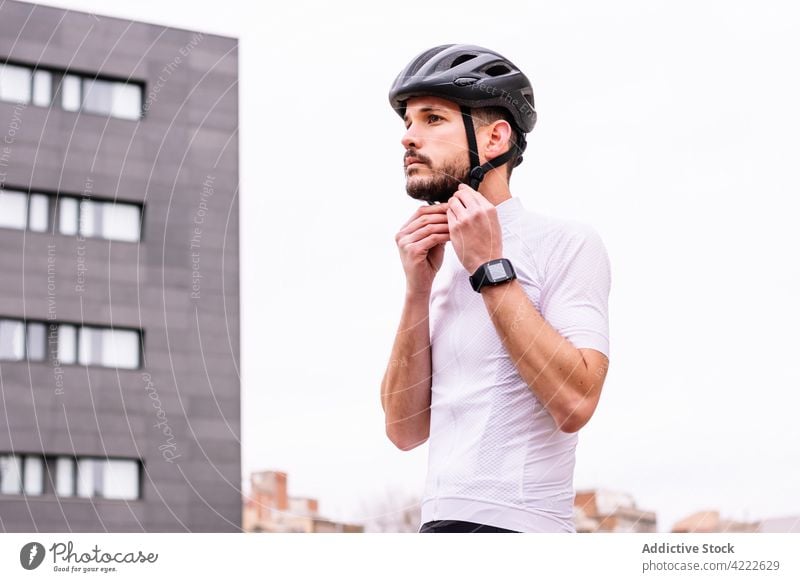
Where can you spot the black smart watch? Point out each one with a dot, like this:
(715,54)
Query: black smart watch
(492,273)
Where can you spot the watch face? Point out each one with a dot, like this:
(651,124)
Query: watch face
(497,271)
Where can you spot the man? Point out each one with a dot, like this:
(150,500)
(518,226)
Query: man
(502,348)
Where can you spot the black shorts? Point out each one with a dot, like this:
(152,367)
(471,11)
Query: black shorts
(452,526)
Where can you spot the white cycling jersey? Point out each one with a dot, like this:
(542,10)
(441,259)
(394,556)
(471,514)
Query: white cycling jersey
(496,456)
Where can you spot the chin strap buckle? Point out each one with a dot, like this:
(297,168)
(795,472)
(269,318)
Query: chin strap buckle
(476,177)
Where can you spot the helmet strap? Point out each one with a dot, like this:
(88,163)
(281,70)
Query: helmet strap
(478,171)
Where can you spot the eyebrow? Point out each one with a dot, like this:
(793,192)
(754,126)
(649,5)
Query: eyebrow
(427,109)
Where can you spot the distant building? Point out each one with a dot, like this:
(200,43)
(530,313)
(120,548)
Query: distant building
(270,509)
(710,522)
(609,511)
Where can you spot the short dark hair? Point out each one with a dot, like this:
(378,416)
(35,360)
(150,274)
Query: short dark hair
(483,116)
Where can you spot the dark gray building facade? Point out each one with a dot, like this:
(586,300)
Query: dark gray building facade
(119,275)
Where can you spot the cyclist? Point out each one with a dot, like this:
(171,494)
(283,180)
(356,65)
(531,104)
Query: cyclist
(502,348)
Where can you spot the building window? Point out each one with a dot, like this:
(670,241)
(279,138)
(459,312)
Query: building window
(68,216)
(15,83)
(104,219)
(42,88)
(95,346)
(108,478)
(33,472)
(21,474)
(24,84)
(74,476)
(113,348)
(71,93)
(111,98)
(120,479)
(10,474)
(110,220)
(38,212)
(100,219)
(12,339)
(13,209)
(36,341)
(20,340)
(89,481)
(65,477)
(86,345)
(67,344)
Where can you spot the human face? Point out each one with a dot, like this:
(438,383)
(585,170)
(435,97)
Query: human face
(436,159)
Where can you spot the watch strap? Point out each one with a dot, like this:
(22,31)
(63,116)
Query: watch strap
(491,273)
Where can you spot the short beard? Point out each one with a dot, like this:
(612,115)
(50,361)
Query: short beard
(441,186)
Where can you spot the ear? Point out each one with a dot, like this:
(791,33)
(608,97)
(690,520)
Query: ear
(497,138)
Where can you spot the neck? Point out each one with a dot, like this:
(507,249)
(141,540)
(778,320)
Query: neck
(495,186)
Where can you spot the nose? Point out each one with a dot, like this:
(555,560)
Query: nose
(410,138)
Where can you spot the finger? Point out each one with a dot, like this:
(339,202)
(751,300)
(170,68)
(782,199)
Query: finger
(456,207)
(428,242)
(421,222)
(469,196)
(423,232)
(451,217)
(458,196)
(426,210)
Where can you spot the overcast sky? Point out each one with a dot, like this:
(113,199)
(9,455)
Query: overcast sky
(672,128)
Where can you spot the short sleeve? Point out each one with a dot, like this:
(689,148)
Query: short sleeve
(576,287)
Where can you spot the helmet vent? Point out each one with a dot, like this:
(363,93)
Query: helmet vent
(497,70)
(461,59)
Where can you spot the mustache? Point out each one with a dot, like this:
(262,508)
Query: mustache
(418,156)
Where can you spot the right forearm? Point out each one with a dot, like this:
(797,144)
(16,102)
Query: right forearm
(406,387)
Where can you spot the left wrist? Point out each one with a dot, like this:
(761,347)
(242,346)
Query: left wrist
(474,266)
(492,273)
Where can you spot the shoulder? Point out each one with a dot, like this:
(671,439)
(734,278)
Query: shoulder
(556,235)
(567,250)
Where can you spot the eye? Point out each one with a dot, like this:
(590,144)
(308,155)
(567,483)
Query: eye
(432,118)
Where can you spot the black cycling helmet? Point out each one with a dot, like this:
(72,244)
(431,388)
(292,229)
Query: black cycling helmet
(471,76)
